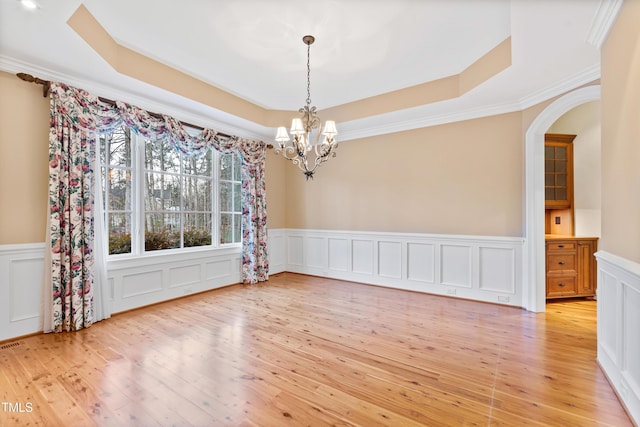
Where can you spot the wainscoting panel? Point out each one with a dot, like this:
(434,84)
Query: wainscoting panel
(421,262)
(390,259)
(184,275)
(456,264)
(497,269)
(631,325)
(315,252)
(21,276)
(608,314)
(295,250)
(148,280)
(478,268)
(618,325)
(218,269)
(23,271)
(339,254)
(137,284)
(362,256)
(277,251)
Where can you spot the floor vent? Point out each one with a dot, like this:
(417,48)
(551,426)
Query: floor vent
(11,345)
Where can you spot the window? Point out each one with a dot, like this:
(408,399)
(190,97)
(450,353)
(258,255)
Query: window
(156,198)
(230,199)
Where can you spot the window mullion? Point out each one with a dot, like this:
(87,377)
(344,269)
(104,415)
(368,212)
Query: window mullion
(138,175)
(215,208)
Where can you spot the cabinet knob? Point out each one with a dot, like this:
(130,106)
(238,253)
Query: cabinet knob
(561,262)
(561,284)
(561,246)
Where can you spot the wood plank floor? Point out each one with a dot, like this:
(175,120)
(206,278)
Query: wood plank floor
(302,350)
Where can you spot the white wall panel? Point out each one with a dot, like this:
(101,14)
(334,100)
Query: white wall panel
(497,269)
(184,275)
(21,281)
(315,252)
(362,257)
(390,259)
(631,328)
(607,313)
(218,269)
(26,275)
(456,265)
(421,262)
(277,251)
(618,326)
(439,264)
(295,254)
(338,254)
(137,284)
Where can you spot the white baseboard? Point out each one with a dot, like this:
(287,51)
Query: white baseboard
(619,326)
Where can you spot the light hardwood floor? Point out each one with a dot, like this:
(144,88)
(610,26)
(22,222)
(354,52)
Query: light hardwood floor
(302,350)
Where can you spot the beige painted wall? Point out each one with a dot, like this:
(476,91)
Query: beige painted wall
(584,122)
(24,151)
(621,135)
(275,178)
(459,178)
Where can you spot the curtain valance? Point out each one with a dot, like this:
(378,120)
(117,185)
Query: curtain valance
(88,113)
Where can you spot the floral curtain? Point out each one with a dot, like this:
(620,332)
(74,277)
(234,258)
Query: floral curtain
(75,116)
(74,257)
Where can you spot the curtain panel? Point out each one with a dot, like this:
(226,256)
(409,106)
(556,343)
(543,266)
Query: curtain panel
(75,259)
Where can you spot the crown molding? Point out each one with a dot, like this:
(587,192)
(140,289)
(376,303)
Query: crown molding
(587,75)
(602,21)
(362,128)
(396,124)
(232,125)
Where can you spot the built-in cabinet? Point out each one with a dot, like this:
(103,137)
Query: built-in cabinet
(571,266)
(558,171)
(570,260)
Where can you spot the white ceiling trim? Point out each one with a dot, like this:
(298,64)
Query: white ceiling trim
(246,129)
(588,75)
(602,21)
(362,128)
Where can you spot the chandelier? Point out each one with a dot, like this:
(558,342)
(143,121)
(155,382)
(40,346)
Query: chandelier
(305,150)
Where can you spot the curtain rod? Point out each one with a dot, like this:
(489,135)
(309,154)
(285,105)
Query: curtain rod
(46,86)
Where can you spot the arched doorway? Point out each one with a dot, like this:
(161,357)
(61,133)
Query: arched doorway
(534,255)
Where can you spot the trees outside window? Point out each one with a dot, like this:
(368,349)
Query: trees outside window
(156,199)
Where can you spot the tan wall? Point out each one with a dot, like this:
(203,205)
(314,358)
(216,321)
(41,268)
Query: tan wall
(459,178)
(621,135)
(276,190)
(24,151)
(584,122)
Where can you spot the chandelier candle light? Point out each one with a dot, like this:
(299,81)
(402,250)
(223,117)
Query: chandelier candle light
(306,133)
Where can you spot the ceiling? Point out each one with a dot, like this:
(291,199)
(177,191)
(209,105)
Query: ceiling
(253,49)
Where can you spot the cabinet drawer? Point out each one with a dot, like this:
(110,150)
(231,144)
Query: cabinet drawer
(561,246)
(562,286)
(559,262)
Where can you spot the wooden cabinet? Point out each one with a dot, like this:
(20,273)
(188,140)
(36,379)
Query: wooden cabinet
(571,267)
(558,171)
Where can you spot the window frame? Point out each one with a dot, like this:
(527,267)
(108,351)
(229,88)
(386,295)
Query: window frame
(138,211)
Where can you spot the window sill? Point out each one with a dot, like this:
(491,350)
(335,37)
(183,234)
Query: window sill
(118,262)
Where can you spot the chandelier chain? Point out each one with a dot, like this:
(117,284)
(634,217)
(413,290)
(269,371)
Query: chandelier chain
(308,76)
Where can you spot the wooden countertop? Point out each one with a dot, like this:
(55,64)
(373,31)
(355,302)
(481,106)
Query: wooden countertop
(566,237)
